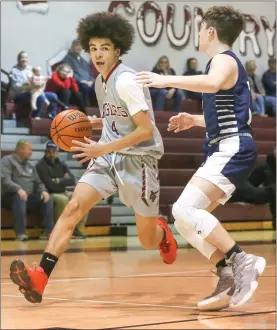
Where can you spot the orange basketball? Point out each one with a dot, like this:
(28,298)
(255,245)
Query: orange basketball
(70,125)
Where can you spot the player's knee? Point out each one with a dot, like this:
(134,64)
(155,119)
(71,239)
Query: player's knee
(192,218)
(182,215)
(73,210)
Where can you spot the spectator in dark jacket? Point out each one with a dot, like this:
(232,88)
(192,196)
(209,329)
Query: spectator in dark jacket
(81,71)
(65,86)
(269,83)
(23,190)
(192,66)
(57,177)
(269,78)
(160,95)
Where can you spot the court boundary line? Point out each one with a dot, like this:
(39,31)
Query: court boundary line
(107,302)
(186,321)
(129,276)
(242,314)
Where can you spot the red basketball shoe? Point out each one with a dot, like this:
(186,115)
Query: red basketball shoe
(31,282)
(168,247)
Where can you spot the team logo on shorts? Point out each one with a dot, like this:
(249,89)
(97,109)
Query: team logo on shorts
(153,195)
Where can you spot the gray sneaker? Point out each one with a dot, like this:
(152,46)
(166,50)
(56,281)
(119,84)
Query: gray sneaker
(221,297)
(246,268)
(22,237)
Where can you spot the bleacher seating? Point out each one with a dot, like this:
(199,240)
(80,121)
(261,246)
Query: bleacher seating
(183,154)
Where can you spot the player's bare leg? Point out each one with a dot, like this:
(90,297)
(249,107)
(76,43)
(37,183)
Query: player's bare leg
(189,214)
(32,282)
(154,232)
(83,199)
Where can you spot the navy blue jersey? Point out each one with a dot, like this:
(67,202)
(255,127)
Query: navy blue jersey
(227,112)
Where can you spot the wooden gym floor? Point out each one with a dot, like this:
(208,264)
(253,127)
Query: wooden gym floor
(109,282)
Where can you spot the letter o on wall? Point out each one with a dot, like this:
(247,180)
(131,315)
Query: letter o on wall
(150,39)
(178,42)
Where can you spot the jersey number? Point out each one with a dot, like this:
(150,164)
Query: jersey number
(114,128)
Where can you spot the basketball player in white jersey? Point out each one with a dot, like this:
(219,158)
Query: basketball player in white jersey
(124,160)
(230,159)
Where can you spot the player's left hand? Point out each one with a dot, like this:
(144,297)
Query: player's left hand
(88,150)
(150,79)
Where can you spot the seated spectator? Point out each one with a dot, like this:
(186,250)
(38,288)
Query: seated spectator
(261,186)
(269,80)
(192,66)
(23,190)
(259,99)
(64,85)
(161,94)
(21,88)
(81,71)
(37,85)
(56,176)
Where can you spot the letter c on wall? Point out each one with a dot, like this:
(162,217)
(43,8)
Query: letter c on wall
(128,7)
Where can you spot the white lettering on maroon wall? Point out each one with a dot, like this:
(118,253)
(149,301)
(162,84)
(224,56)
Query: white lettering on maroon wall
(191,25)
(40,7)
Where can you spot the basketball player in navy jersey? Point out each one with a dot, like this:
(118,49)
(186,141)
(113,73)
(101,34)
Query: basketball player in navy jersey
(230,159)
(124,160)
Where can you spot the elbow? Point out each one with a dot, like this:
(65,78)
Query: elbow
(214,87)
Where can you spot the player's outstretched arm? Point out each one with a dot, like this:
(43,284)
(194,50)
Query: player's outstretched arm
(222,68)
(184,121)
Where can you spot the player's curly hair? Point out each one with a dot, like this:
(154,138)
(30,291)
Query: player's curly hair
(227,21)
(106,25)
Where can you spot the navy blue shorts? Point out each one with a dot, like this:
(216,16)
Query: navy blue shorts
(228,163)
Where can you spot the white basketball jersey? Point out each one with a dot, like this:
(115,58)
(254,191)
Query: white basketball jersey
(117,120)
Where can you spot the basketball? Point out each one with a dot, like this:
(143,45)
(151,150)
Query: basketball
(70,125)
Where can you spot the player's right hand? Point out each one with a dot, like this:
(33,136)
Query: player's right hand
(22,194)
(180,122)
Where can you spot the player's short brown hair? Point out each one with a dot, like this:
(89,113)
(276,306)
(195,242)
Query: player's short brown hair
(227,21)
(106,25)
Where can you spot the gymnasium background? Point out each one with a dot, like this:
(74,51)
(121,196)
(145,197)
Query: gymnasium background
(162,28)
